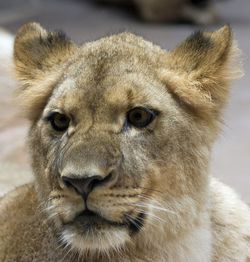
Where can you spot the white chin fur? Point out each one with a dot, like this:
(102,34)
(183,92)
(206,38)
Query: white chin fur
(112,239)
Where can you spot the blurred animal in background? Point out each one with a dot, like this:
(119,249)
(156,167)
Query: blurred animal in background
(13,157)
(194,11)
(6,49)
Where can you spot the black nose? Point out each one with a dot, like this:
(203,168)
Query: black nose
(84,185)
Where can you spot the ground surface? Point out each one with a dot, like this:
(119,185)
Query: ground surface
(85,21)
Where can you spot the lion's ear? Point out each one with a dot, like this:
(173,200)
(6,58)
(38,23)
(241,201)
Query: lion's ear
(200,69)
(39,57)
(36,51)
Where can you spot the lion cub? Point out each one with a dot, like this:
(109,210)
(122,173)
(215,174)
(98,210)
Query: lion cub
(120,140)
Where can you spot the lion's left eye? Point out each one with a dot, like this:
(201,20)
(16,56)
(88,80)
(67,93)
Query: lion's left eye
(59,122)
(140,117)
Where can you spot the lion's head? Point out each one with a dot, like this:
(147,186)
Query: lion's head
(121,131)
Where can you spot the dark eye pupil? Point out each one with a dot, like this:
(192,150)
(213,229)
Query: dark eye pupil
(59,121)
(140,117)
(137,116)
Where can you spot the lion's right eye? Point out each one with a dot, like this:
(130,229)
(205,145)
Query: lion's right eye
(59,122)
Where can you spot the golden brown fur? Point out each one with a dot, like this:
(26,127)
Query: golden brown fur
(160,202)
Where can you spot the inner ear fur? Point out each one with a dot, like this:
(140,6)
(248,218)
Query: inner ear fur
(198,72)
(39,57)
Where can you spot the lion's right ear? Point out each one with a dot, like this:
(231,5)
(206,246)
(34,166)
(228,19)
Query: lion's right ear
(36,51)
(38,58)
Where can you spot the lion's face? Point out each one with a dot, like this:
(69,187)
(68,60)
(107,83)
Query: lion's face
(117,154)
(103,171)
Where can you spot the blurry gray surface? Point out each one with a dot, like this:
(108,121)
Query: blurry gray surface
(85,21)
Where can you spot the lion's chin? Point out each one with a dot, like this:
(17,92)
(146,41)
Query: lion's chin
(90,232)
(103,241)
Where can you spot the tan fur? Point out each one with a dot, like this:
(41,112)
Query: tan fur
(160,171)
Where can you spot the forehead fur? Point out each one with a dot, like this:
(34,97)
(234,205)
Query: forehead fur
(123,52)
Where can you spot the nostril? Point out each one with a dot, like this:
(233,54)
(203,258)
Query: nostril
(67,182)
(84,185)
(99,180)
(106,179)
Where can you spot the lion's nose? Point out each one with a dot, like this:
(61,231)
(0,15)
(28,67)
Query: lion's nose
(84,185)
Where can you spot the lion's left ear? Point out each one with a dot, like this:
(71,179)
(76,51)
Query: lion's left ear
(200,69)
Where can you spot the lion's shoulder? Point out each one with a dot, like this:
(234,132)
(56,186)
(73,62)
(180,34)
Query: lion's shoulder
(17,195)
(230,223)
(22,228)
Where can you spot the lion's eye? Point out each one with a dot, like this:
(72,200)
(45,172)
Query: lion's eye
(140,116)
(59,122)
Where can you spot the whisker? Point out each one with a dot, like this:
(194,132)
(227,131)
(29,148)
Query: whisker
(152,190)
(151,215)
(159,208)
(132,220)
(150,222)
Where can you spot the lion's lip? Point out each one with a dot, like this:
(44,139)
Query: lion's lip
(90,221)
(88,218)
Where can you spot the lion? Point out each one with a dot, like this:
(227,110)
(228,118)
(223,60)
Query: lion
(120,142)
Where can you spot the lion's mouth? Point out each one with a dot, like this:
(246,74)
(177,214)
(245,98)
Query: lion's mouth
(89,220)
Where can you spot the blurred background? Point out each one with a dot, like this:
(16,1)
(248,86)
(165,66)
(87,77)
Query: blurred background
(165,23)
